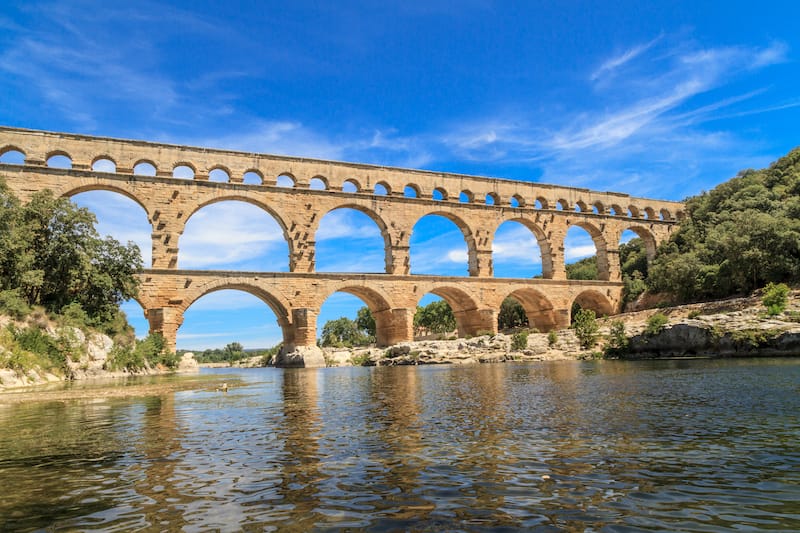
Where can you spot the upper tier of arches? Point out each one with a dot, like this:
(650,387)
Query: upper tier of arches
(259,170)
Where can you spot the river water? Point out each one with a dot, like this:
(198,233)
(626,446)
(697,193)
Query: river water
(698,445)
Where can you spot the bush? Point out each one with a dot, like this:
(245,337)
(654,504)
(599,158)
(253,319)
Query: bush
(586,328)
(13,304)
(775,298)
(552,338)
(617,339)
(655,324)
(519,340)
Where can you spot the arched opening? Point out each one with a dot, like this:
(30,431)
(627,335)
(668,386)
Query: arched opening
(447,312)
(136,318)
(351,240)
(440,246)
(492,199)
(594,301)
(104,164)
(233,235)
(230,316)
(355,316)
(351,185)
(664,215)
(648,241)
(184,172)
(285,180)
(516,251)
(120,217)
(538,311)
(252,177)
(580,254)
(59,160)
(439,194)
(382,189)
(581,207)
(466,197)
(562,205)
(616,210)
(636,249)
(144,168)
(12,156)
(649,213)
(517,201)
(411,191)
(633,211)
(219,175)
(317,184)
(540,203)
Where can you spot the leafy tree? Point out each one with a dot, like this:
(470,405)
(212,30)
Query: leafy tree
(586,329)
(366,322)
(617,339)
(585,269)
(655,324)
(511,315)
(436,317)
(775,298)
(342,332)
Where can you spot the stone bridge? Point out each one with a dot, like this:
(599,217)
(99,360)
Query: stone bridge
(172,182)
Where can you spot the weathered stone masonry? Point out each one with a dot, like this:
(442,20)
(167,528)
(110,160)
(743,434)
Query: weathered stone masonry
(477,205)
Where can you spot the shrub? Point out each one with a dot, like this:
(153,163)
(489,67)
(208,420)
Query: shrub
(361,360)
(13,304)
(519,340)
(655,324)
(586,328)
(617,339)
(552,338)
(775,298)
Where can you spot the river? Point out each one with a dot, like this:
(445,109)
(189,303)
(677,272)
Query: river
(693,445)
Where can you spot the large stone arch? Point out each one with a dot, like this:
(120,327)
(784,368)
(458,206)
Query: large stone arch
(600,246)
(375,217)
(647,237)
(108,187)
(390,324)
(541,312)
(594,300)
(466,231)
(545,247)
(470,319)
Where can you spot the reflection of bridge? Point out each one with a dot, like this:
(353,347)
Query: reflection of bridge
(299,192)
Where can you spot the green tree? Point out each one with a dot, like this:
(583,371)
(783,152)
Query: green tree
(617,339)
(775,298)
(366,322)
(586,329)
(511,315)
(585,269)
(436,317)
(342,332)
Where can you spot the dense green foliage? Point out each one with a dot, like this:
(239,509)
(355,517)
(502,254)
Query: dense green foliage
(344,332)
(436,317)
(586,328)
(633,264)
(519,340)
(775,298)
(232,352)
(585,269)
(655,324)
(52,256)
(511,315)
(739,236)
(617,341)
(150,351)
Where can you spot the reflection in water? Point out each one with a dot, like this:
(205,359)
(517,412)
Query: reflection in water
(690,446)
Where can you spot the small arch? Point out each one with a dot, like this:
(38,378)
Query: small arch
(285,180)
(492,199)
(253,177)
(540,311)
(184,171)
(318,183)
(411,191)
(144,167)
(664,215)
(594,300)
(439,194)
(351,185)
(541,203)
(59,159)
(562,205)
(466,197)
(633,211)
(382,189)
(598,208)
(104,163)
(581,207)
(12,155)
(219,175)
(517,201)
(617,210)
(648,239)
(468,319)
(649,213)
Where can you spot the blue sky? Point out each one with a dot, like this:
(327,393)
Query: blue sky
(661,99)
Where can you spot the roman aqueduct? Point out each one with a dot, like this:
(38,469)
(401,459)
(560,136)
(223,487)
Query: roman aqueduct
(298,192)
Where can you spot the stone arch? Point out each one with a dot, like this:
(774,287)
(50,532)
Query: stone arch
(647,237)
(665,214)
(492,198)
(318,183)
(180,165)
(145,162)
(379,305)
(541,203)
(109,187)
(581,207)
(213,175)
(469,319)
(101,158)
(387,189)
(13,148)
(633,211)
(439,194)
(617,210)
(600,246)
(517,200)
(649,213)
(466,231)
(375,217)
(542,314)
(287,177)
(594,300)
(541,238)
(561,205)
(598,208)
(279,306)
(246,175)
(466,197)
(54,159)
(356,184)
(412,190)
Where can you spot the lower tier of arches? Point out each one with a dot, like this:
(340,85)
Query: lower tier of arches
(296,300)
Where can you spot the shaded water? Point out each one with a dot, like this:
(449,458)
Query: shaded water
(599,446)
